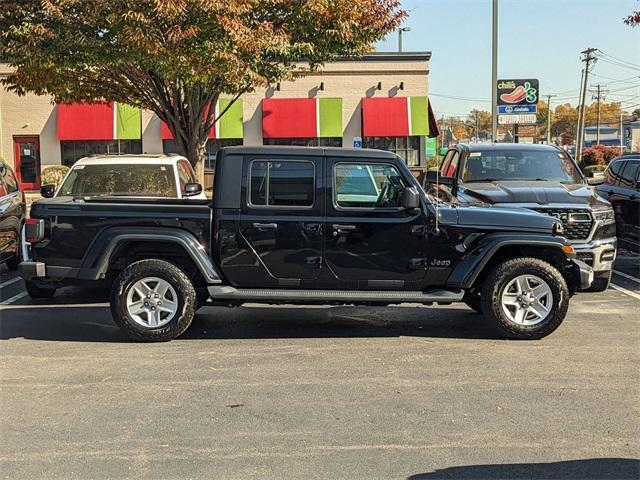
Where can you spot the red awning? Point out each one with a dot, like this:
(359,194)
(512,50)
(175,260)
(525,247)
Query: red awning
(434,131)
(289,118)
(167,135)
(86,121)
(385,117)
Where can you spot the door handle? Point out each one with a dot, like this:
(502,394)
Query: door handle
(265,226)
(342,229)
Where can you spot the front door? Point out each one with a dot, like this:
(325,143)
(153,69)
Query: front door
(371,241)
(281,219)
(27,160)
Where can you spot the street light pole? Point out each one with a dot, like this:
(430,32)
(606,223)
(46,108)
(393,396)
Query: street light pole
(400,31)
(494,73)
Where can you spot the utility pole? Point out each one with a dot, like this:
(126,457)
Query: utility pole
(400,32)
(598,117)
(549,119)
(494,73)
(621,134)
(587,57)
(476,125)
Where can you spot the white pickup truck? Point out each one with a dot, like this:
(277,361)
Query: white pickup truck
(152,176)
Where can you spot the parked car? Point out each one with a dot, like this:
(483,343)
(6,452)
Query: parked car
(158,176)
(291,225)
(543,178)
(621,187)
(12,212)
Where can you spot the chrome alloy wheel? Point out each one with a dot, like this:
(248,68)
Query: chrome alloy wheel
(152,302)
(527,300)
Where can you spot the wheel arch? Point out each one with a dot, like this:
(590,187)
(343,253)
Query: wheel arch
(115,247)
(490,251)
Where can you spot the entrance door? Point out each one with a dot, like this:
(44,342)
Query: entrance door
(27,158)
(371,241)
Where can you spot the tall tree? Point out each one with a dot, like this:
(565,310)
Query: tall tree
(479,118)
(177,57)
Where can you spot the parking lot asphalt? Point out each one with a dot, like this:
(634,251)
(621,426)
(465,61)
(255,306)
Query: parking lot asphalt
(320,393)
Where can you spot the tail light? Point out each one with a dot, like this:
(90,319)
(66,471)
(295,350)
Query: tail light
(33,230)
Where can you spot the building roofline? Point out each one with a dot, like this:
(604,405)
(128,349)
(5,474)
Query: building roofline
(387,57)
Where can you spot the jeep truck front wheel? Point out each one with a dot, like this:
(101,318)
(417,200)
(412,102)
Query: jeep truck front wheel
(153,301)
(527,298)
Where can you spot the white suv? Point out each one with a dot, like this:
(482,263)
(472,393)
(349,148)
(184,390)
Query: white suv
(154,176)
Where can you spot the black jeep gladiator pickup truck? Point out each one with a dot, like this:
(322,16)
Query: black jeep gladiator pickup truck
(304,226)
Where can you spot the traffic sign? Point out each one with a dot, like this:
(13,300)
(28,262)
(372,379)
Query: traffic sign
(521,118)
(357,142)
(514,109)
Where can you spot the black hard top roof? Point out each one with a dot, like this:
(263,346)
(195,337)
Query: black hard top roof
(308,151)
(492,147)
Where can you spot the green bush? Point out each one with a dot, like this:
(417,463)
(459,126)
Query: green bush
(54,175)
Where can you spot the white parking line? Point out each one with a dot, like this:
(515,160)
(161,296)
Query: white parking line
(10,282)
(17,297)
(624,290)
(627,276)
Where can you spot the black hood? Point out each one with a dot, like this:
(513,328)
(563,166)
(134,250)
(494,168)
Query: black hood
(528,192)
(503,219)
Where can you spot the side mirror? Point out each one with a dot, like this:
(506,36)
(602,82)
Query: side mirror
(48,191)
(192,189)
(410,198)
(434,177)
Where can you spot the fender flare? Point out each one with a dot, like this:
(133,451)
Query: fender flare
(96,261)
(480,253)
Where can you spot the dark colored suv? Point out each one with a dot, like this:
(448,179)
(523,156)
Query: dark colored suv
(12,212)
(542,178)
(621,188)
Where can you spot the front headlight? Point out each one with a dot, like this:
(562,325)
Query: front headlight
(605,215)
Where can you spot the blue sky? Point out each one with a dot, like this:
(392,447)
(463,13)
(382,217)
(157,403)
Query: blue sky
(537,39)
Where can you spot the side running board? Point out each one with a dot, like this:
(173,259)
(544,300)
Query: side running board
(342,296)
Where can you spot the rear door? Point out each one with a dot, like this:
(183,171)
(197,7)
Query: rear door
(371,242)
(281,218)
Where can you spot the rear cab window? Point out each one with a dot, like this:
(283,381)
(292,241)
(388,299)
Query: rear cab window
(281,183)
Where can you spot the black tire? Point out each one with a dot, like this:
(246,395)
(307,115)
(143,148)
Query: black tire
(38,292)
(473,301)
(185,293)
(500,277)
(13,263)
(600,284)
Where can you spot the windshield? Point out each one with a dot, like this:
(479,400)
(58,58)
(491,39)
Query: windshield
(120,180)
(531,165)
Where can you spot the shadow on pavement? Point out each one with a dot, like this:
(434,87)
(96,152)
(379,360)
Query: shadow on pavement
(591,469)
(86,323)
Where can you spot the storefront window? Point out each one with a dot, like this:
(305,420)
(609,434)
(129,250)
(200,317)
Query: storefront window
(73,150)
(408,148)
(211,150)
(305,142)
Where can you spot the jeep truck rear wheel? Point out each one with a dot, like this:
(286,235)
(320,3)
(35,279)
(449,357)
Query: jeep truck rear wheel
(527,298)
(153,301)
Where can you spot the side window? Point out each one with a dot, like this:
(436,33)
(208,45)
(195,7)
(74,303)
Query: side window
(11,184)
(282,183)
(453,166)
(185,174)
(613,173)
(628,175)
(446,161)
(362,185)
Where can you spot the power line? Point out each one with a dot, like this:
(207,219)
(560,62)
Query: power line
(618,59)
